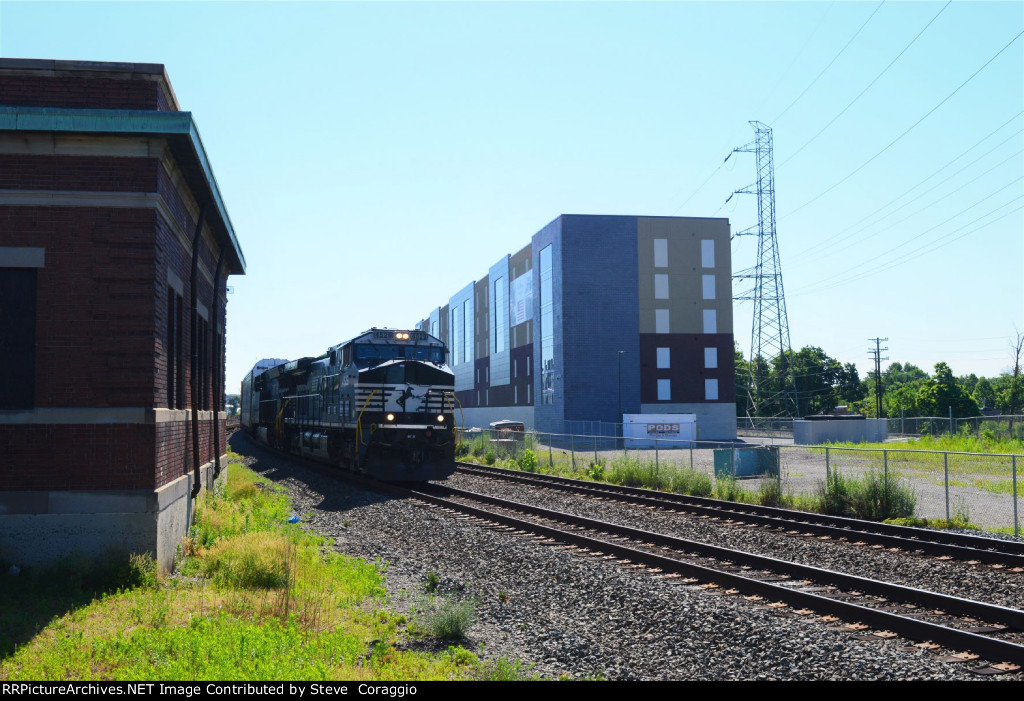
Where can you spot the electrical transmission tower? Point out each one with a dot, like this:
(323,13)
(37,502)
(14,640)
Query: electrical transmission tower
(769,336)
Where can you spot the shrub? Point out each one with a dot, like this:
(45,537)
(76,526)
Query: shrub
(596,471)
(432,581)
(528,461)
(871,497)
(878,498)
(450,619)
(835,495)
(479,446)
(490,457)
(143,571)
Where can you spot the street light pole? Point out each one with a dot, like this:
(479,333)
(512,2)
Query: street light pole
(619,420)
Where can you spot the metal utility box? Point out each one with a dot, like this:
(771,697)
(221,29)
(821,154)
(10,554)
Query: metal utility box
(747,462)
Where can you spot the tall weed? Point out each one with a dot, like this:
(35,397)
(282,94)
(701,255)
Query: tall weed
(872,496)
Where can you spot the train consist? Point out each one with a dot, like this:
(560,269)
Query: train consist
(381,404)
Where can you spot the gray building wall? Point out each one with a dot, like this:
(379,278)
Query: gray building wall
(599,317)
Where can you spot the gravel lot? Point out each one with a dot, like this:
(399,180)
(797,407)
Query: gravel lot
(563,614)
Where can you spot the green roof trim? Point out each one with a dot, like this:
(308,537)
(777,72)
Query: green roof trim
(180,124)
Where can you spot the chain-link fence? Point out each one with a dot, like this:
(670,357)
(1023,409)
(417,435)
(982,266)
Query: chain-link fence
(767,427)
(988,427)
(963,488)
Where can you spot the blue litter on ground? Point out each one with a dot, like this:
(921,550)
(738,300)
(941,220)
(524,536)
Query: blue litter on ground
(294,518)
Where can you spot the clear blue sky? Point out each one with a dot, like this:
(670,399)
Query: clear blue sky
(377,157)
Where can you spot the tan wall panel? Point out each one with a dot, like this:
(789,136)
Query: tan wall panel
(685,287)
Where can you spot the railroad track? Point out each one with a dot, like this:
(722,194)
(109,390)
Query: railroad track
(1008,555)
(870,608)
(970,631)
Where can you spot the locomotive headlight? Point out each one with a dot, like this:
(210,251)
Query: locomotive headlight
(391,417)
(440,418)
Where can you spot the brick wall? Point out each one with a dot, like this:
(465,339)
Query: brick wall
(80,173)
(104,456)
(172,256)
(94,328)
(174,448)
(61,458)
(78,92)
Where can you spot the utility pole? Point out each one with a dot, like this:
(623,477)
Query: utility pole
(876,352)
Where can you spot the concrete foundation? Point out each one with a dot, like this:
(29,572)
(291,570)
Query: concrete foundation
(840,431)
(42,528)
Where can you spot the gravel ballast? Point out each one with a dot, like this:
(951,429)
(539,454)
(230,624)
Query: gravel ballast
(979,582)
(567,615)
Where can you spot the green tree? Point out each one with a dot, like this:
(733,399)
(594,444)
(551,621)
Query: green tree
(822,382)
(943,392)
(742,382)
(983,394)
(850,388)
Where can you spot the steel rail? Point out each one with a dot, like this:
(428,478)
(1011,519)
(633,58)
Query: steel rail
(966,547)
(991,648)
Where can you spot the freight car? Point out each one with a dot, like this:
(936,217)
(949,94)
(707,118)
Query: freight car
(381,404)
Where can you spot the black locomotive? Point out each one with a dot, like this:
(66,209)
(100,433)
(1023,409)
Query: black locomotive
(382,404)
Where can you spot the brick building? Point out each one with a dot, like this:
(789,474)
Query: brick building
(115,248)
(540,338)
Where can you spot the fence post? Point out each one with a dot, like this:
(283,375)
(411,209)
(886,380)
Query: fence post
(551,460)
(903,430)
(827,470)
(1016,523)
(691,455)
(656,463)
(951,433)
(595,450)
(945,472)
(885,482)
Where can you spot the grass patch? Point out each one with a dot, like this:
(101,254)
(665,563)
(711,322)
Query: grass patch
(870,496)
(256,598)
(954,444)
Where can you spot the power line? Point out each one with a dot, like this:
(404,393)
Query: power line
(834,58)
(796,57)
(913,253)
(916,253)
(936,172)
(854,242)
(861,93)
(929,230)
(701,187)
(907,131)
